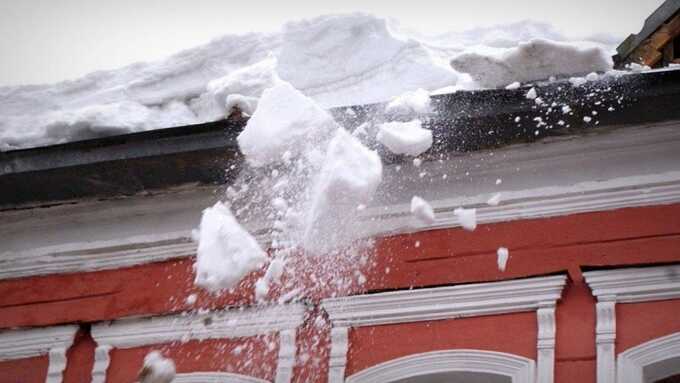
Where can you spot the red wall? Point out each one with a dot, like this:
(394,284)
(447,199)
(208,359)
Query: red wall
(643,235)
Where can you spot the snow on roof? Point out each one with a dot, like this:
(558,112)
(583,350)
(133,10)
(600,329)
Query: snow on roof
(336,60)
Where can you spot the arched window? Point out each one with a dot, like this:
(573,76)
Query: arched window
(656,361)
(215,377)
(470,366)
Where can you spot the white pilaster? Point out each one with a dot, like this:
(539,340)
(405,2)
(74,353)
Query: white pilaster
(287,351)
(338,357)
(546,342)
(605,339)
(101,363)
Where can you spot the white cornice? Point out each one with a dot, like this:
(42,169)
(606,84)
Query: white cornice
(444,302)
(519,369)
(235,323)
(215,377)
(635,284)
(26,343)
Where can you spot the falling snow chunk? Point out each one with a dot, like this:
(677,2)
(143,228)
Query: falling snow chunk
(587,119)
(417,162)
(467,218)
(157,369)
(517,119)
(566,109)
(416,102)
(284,118)
(502,260)
(349,176)
(422,210)
(405,137)
(494,200)
(498,181)
(514,85)
(531,94)
(226,251)
(191,299)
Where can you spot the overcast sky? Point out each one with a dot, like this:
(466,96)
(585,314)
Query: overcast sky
(52,40)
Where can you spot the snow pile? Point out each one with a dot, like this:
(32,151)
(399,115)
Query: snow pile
(502,260)
(336,60)
(226,251)
(422,210)
(157,369)
(405,137)
(536,59)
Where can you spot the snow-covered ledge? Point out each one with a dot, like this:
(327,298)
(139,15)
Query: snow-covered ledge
(531,294)
(128,333)
(517,368)
(625,285)
(51,341)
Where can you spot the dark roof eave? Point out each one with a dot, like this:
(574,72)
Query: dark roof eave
(464,121)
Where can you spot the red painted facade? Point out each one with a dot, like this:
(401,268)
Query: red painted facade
(566,244)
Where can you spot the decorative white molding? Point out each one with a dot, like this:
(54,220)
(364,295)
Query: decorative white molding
(101,363)
(26,343)
(51,341)
(517,368)
(215,377)
(387,220)
(444,302)
(287,353)
(625,285)
(636,284)
(338,356)
(236,323)
(57,365)
(127,333)
(632,362)
(531,294)
(546,342)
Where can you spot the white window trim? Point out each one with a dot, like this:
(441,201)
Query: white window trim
(630,363)
(128,333)
(517,368)
(531,294)
(215,377)
(52,341)
(625,285)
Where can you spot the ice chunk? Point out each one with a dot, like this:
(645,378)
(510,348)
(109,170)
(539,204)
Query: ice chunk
(422,210)
(405,137)
(531,94)
(467,218)
(349,176)
(494,200)
(226,251)
(415,102)
(285,120)
(502,260)
(514,85)
(157,369)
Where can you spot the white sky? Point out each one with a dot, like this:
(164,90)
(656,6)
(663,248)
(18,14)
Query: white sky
(52,40)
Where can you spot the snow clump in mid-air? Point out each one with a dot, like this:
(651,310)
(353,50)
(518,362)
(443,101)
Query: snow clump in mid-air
(502,258)
(467,218)
(157,369)
(405,137)
(422,210)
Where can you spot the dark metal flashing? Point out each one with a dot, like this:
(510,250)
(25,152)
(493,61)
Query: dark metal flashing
(652,23)
(208,153)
